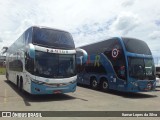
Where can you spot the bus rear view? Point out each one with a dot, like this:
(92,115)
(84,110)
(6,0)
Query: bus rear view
(123,64)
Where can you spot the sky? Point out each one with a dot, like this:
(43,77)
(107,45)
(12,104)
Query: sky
(87,20)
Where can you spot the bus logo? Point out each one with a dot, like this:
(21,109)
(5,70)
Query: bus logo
(115,53)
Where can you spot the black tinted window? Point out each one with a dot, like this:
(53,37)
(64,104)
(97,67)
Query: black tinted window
(16,65)
(99,47)
(136,46)
(54,65)
(53,38)
(142,69)
(157,69)
(29,63)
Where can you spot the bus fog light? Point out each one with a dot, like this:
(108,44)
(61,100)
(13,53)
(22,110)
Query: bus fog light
(37,89)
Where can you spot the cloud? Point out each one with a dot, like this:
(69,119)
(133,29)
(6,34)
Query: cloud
(128,3)
(92,32)
(125,23)
(87,20)
(1,40)
(155,35)
(157,22)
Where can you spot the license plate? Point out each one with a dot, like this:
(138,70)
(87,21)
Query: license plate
(57,92)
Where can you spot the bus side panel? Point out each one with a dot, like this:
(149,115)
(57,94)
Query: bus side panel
(110,72)
(12,77)
(85,78)
(97,66)
(86,71)
(27,82)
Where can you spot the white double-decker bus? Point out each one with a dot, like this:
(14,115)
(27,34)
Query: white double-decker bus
(42,61)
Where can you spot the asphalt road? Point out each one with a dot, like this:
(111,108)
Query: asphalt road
(84,99)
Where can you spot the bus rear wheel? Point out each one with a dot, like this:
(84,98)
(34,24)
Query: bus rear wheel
(94,83)
(104,85)
(21,84)
(7,77)
(17,82)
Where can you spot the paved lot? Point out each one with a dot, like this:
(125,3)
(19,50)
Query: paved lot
(84,99)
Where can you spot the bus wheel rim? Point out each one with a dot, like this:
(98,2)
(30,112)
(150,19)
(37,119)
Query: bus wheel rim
(94,83)
(105,85)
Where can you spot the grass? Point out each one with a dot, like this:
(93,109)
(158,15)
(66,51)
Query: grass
(2,70)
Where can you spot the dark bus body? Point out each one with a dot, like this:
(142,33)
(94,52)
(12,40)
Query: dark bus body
(122,64)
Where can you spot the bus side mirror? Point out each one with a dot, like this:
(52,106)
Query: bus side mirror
(79,60)
(82,59)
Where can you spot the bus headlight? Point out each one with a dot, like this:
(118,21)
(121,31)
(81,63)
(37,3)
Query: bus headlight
(74,81)
(36,81)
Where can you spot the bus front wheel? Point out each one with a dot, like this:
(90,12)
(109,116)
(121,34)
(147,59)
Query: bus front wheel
(17,82)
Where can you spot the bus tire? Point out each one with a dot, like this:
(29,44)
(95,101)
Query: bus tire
(17,82)
(104,85)
(21,84)
(93,83)
(7,76)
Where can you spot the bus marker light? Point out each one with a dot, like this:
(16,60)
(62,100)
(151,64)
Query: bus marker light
(149,87)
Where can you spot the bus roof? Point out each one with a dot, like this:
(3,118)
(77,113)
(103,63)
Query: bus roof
(98,42)
(109,39)
(43,27)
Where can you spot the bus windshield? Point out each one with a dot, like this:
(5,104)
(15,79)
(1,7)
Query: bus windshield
(142,69)
(54,38)
(136,46)
(54,65)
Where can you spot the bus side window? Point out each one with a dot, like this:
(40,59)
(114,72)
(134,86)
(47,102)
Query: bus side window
(29,63)
(121,72)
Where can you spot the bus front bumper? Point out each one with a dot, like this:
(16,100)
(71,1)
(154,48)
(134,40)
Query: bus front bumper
(52,89)
(142,86)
